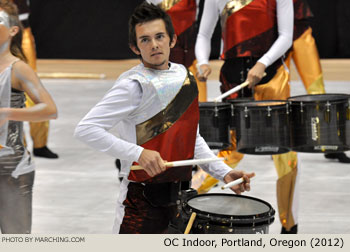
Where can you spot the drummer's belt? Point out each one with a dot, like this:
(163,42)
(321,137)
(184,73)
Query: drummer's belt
(160,194)
(235,71)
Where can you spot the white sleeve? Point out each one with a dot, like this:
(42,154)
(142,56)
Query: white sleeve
(216,169)
(121,100)
(155,2)
(285,22)
(207,26)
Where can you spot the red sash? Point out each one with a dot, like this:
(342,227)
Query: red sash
(251,30)
(183,15)
(172,132)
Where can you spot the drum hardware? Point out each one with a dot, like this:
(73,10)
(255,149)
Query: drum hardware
(268,118)
(269,111)
(327,114)
(321,124)
(246,116)
(232,121)
(246,112)
(216,116)
(301,107)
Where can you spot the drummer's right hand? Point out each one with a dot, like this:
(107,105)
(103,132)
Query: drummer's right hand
(256,74)
(203,72)
(152,162)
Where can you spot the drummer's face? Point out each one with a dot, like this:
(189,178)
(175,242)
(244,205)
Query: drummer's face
(153,44)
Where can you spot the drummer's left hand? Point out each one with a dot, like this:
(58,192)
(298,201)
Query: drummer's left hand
(242,187)
(256,74)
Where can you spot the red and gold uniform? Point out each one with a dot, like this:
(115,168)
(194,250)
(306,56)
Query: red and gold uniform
(249,30)
(304,52)
(165,132)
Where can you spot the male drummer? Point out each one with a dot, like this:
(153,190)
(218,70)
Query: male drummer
(154,106)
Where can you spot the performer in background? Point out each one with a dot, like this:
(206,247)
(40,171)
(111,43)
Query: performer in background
(39,131)
(16,164)
(306,59)
(256,34)
(155,109)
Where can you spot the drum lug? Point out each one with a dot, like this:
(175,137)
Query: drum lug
(301,107)
(232,121)
(268,118)
(269,111)
(246,112)
(327,115)
(247,120)
(216,117)
(287,108)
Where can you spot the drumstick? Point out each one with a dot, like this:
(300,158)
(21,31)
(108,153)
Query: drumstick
(233,183)
(190,223)
(233,90)
(183,163)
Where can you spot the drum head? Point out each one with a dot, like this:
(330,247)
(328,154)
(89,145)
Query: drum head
(229,205)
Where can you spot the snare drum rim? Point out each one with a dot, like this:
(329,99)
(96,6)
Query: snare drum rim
(219,105)
(266,217)
(253,104)
(332,98)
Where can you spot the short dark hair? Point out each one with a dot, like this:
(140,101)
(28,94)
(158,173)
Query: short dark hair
(146,12)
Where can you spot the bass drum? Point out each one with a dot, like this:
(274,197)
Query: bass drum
(228,214)
(320,123)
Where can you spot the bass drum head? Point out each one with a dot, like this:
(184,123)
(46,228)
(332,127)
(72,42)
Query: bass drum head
(229,213)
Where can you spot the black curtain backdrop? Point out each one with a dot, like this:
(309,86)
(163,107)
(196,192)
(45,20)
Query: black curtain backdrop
(91,29)
(82,29)
(330,26)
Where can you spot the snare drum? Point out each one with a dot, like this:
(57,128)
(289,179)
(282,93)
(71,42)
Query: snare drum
(214,124)
(228,214)
(320,123)
(262,127)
